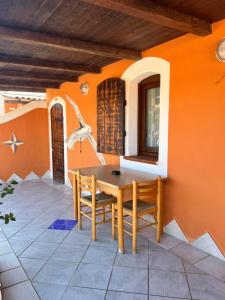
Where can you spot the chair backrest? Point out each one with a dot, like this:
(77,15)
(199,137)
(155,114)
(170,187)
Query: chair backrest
(86,184)
(147,191)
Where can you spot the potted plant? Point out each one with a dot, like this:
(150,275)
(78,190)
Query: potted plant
(6,189)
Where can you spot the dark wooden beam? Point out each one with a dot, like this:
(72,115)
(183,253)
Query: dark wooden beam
(59,42)
(158,14)
(46,64)
(21,89)
(28,83)
(36,76)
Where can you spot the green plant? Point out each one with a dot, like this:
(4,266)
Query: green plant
(6,189)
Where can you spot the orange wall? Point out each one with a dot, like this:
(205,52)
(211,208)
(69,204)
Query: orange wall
(12,106)
(88,107)
(33,155)
(195,192)
(8,106)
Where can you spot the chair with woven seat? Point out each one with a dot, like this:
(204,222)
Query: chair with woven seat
(146,201)
(96,202)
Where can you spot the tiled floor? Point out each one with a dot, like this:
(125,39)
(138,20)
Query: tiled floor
(41,263)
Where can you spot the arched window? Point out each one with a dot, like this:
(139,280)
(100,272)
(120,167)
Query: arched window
(148,118)
(134,77)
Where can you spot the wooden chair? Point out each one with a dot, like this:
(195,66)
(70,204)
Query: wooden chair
(146,200)
(96,202)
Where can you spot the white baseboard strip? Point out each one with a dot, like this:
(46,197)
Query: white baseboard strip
(205,242)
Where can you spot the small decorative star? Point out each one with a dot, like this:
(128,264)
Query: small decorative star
(13,143)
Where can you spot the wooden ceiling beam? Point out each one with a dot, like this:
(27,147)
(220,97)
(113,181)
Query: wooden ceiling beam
(11,74)
(155,13)
(21,89)
(28,83)
(63,43)
(46,64)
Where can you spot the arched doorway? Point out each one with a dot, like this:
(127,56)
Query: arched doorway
(57,142)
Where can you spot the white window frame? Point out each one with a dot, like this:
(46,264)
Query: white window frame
(132,76)
(61,101)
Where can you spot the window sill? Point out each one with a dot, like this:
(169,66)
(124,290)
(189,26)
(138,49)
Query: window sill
(143,159)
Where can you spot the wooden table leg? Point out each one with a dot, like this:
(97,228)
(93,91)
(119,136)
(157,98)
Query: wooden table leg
(75,195)
(120,221)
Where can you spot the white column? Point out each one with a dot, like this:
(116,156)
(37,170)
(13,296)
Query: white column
(2,105)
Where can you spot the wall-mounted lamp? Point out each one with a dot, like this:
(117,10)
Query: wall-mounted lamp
(220,50)
(84,88)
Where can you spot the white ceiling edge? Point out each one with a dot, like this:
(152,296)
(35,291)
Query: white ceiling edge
(23,94)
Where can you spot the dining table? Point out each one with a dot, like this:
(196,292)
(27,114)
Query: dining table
(112,184)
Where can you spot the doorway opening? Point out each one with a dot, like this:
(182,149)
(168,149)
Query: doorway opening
(57,143)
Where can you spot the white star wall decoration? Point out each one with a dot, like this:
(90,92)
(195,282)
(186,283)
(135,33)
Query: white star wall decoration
(13,143)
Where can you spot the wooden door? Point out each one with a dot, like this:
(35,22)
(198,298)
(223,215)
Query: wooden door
(57,142)
(111,116)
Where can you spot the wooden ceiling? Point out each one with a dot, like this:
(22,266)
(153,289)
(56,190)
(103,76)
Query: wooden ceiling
(46,42)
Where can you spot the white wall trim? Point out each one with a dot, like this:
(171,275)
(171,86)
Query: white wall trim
(32,176)
(16,177)
(206,243)
(22,110)
(2,105)
(47,175)
(133,75)
(174,229)
(61,101)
